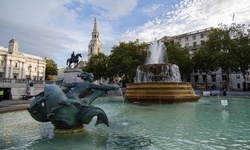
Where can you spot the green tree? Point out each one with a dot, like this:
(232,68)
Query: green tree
(227,48)
(97,65)
(241,53)
(50,70)
(181,57)
(125,58)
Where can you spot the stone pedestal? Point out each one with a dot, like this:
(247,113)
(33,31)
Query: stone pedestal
(70,75)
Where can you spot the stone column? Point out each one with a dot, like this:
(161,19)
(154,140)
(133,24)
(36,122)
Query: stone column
(20,70)
(23,69)
(11,69)
(7,68)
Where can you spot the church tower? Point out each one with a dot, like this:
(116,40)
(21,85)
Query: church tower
(95,46)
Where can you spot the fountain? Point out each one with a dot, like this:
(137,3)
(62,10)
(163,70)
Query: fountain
(159,82)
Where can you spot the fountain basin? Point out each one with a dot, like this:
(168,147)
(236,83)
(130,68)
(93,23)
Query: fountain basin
(160,92)
(205,124)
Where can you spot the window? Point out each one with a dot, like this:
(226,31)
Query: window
(195,78)
(16,65)
(238,85)
(179,39)
(15,75)
(204,77)
(224,77)
(194,44)
(202,35)
(1,63)
(194,37)
(213,78)
(186,39)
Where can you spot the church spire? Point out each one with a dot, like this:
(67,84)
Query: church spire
(95,46)
(95,26)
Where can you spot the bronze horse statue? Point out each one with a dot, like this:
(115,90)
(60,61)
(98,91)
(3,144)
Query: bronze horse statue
(73,60)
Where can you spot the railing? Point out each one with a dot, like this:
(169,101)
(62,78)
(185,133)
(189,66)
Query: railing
(20,80)
(5,80)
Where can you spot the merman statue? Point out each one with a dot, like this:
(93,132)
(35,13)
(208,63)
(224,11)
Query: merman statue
(63,105)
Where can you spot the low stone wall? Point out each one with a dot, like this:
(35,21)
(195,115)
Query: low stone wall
(229,93)
(18,90)
(18,87)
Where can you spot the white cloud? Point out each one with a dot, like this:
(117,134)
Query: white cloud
(190,15)
(114,8)
(55,28)
(152,8)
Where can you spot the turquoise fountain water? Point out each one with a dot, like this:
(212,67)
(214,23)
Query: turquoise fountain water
(195,125)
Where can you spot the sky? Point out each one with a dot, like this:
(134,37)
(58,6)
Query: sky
(55,28)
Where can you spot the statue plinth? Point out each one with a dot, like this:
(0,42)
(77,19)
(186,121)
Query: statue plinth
(70,75)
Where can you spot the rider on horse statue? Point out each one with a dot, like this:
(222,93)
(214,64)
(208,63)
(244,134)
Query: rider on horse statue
(72,55)
(73,59)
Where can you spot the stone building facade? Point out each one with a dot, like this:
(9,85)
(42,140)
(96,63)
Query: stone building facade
(18,70)
(192,40)
(17,65)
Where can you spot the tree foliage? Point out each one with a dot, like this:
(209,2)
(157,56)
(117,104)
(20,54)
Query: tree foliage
(50,70)
(181,57)
(98,65)
(227,48)
(125,58)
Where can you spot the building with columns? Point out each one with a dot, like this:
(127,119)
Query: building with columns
(17,65)
(95,46)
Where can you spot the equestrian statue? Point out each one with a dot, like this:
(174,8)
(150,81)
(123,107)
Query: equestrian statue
(73,59)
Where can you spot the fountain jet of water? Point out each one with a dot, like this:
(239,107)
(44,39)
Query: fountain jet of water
(157,53)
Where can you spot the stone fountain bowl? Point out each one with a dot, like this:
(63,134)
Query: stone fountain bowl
(160,92)
(165,72)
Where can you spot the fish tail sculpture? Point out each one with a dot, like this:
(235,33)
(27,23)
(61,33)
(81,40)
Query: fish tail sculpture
(87,113)
(37,110)
(63,112)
